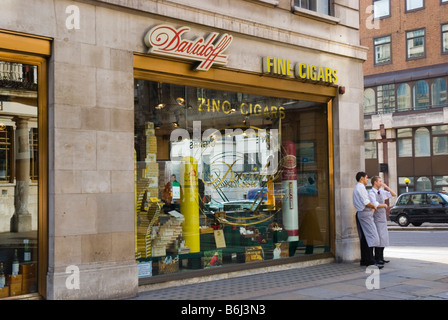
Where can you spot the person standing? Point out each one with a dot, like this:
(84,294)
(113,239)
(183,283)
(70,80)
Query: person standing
(378,197)
(368,234)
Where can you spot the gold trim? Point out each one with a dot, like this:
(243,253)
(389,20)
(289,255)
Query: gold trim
(41,64)
(165,70)
(331,175)
(20,42)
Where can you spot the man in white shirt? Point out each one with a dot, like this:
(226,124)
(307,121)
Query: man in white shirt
(378,197)
(368,234)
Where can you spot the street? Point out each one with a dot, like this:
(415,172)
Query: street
(428,245)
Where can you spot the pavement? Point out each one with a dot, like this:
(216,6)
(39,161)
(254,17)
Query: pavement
(413,273)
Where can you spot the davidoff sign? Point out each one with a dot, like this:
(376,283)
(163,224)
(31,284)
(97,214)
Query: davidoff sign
(167,40)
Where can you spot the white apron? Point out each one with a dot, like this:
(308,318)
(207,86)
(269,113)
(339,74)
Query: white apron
(379,216)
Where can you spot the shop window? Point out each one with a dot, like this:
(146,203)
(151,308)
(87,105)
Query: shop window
(381,8)
(322,6)
(215,178)
(382,49)
(423,184)
(421,95)
(440,183)
(440,140)
(438,90)
(422,143)
(414,4)
(19,197)
(415,44)
(404,139)
(369,101)
(445,37)
(404,97)
(386,98)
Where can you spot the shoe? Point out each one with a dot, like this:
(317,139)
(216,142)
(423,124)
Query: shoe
(381,262)
(386,261)
(379,266)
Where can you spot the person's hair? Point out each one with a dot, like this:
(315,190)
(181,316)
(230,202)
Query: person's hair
(375,179)
(360,174)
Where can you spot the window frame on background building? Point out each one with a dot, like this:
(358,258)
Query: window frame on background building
(373,97)
(407,97)
(384,97)
(422,142)
(410,36)
(443,1)
(438,187)
(420,7)
(6,145)
(444,37)
(370,142)
(382,3)
(437,93)
(405,137)
(418,85)
(386,44)
(309,4)
(438,137)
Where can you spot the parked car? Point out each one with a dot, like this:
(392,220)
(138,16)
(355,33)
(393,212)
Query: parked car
(419,207)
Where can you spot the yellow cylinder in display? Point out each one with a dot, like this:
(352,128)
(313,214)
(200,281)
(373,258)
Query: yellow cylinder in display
(189,203)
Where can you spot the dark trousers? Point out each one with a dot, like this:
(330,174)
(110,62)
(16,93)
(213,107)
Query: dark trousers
(367,257)
(379,253)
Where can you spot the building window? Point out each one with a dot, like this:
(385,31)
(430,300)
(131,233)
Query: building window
(421,95)
(382,50)
(369,101)
(321,6)
(381,9)
(5,153)
(404,97)
(422,143)
(440,140)
(370,145)
(415,44)
(414,4)
(402,185)
(386,98)
(440,183)
(438,90)
(445,38)
(404,138)
(423,184)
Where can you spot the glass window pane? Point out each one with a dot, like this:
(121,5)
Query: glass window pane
(445,38)
(404,133)
(440,180)
(423,184)
(415,44)
(440,145)
(403,200)
(369,135)
(422,143)
(433,199)
(442,129)
(18,159)
(421,95)
(369,101)
(438,92)
(404,97)
(370,149)
(414,4)
(386,98)
(381,8)
(402,181)
(405,147)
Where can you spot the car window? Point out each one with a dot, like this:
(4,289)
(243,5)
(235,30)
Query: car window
(444,196)
(434,199)
(417,199)
(403,199)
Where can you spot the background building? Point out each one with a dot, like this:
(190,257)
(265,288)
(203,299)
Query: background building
(105,103)
(405,95)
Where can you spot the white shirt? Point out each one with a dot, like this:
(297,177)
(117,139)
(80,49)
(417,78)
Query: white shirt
(360,197)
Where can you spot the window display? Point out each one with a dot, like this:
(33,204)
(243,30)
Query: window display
(18,178)
(227,177)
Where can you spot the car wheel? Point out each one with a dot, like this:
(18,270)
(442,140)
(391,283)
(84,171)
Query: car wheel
(417,224)
(403,220)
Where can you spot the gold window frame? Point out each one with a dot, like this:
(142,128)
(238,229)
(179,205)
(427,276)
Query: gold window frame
(149,67)
(33,50)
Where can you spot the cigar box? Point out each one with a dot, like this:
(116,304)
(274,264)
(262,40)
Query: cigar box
(15,284)
(4,292)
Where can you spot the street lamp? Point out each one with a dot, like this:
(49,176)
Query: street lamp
(407,184)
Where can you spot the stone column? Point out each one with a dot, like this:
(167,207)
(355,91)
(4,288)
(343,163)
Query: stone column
(21,220)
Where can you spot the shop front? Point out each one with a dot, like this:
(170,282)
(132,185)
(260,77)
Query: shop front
(151,142)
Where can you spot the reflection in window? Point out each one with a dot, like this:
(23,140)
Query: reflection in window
(423,184)
(370,148)
(402,185)
(369,101)
(404,97)
(445,38)
(386,98)
(440,140)
(382,47)
(321,6)
(422,143)
(438,89)
(421,95)
(415,44)
(381,8)
(414,4)
(404,142)
(440,183)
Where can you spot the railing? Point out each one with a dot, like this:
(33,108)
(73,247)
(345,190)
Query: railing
(18,76)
